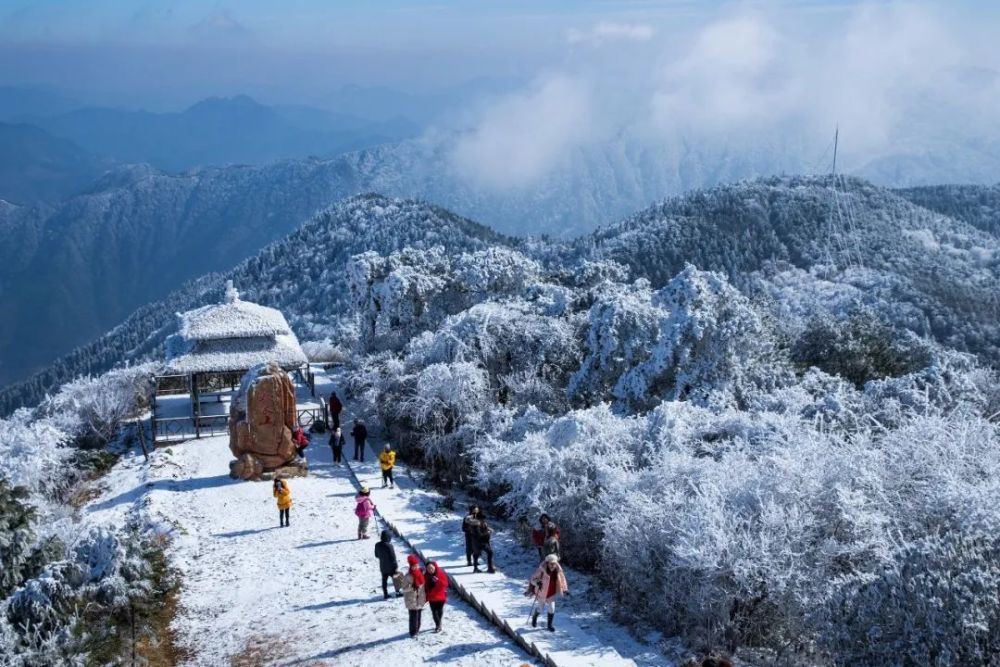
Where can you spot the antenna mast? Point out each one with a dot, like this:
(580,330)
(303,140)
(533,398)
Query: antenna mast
(836,140)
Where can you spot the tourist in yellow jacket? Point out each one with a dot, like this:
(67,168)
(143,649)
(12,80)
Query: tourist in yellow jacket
(387,459)
(283,494)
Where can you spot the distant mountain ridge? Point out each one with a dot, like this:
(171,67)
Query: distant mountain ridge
(37,167)
(217,131)
(940,270)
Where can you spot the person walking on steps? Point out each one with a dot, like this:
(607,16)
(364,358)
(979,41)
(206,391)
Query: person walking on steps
(283,494)
(386,460)
(360,434)
(387,563)
(414,593)
(547,583)
(538,535)
(551,544)
(468,528)
(437,592)
(364,509)
(337,445)
(336,407)
(482,545)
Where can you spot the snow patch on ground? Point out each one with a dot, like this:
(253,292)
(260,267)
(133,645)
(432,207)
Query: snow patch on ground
(306,594)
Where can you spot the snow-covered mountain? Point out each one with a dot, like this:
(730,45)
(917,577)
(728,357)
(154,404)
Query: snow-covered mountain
(137,233)
(302,273)
(939,271)
(975,204)
(776,448)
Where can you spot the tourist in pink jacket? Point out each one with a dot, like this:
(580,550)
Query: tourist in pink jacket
(547,583)
(364,509)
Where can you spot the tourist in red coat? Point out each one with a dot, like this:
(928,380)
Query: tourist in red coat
(436,585)
(538,535)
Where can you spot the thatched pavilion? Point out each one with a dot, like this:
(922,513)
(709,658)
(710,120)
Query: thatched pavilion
(212,349)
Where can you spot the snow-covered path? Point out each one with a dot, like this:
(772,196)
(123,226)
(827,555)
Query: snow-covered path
(584,638)
(304,595)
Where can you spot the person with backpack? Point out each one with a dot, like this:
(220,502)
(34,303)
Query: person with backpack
(387,564)
(386,461)
(364,509)
(551,544)
(337,445)
(468,528)
(437,592)
(283,495)
(336,407)
(414,593)
(547,583)
(538,535)
(360,434)
(482,545)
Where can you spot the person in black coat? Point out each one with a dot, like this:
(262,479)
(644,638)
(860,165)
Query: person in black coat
(387,563)
(360,434)
(482,544)
(469,528)
(337,445)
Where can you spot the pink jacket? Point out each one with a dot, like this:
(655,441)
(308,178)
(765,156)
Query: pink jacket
(541,576)
(365,507)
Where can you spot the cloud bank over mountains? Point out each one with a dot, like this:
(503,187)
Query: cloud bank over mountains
(891,76)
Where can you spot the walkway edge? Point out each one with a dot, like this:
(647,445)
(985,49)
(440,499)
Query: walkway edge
(528,646)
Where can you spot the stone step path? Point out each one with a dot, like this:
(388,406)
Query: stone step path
(434,533)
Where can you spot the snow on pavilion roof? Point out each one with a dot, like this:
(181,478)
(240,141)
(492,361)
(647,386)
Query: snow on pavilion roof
(232,319)
(232,354)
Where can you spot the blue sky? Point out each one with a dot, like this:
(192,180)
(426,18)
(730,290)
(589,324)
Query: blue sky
(167,53)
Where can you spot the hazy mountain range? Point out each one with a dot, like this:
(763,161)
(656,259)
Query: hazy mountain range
(88,236)
(940,271)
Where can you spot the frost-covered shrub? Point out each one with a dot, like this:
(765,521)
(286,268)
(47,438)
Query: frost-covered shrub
(33,452)
(94,408)
(20,552)
(77,608)
(935,603)
(710,341)
(621,330)
(525,354)
(494,272)
(951,382)
(859,348)
(325,351)
(399,295)
(564,470)
(443,406)
(696,339)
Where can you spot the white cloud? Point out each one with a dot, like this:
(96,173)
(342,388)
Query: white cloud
(895,77)
(521,137)
(610,32)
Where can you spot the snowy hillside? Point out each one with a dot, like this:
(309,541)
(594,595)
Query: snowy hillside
(977,205)
(758,413)
(936,272)
(138,234)
(302,274)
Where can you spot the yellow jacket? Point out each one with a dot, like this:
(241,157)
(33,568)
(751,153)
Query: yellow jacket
(284,496)
(387,459)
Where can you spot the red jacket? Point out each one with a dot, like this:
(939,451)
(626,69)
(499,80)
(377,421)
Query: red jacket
(538,535)
(300,437)
(438,592)
(335,405)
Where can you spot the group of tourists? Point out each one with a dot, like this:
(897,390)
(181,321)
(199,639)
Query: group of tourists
(429,585)
(358,431)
